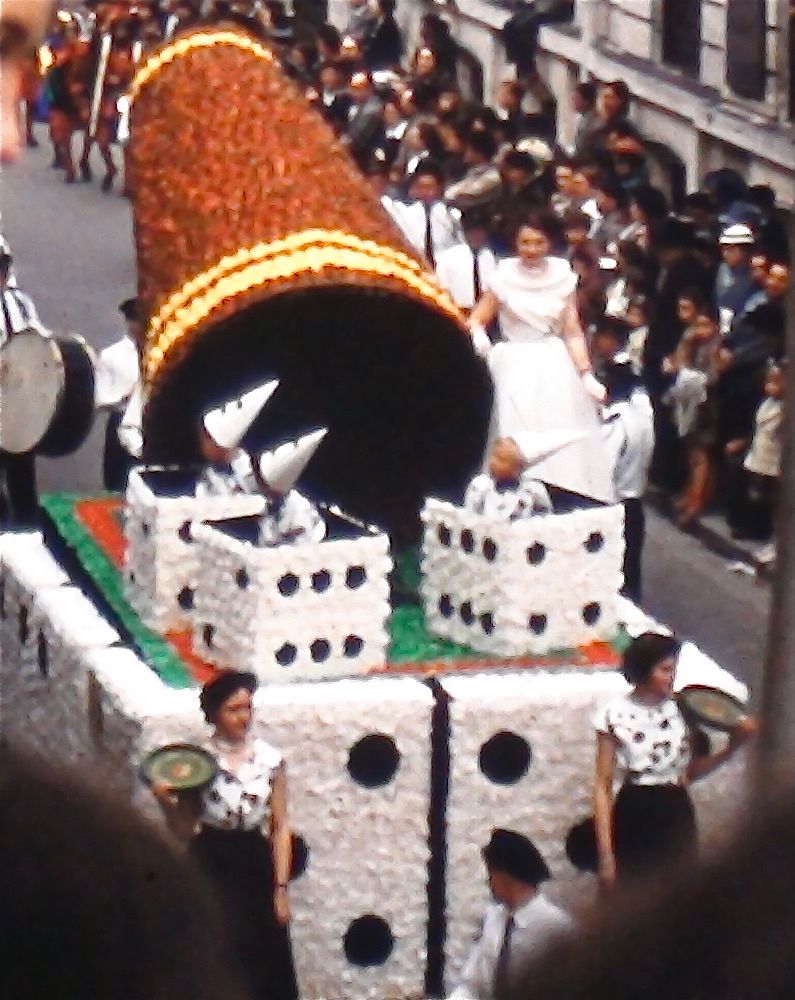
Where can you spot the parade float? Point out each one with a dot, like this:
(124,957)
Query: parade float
(418,705)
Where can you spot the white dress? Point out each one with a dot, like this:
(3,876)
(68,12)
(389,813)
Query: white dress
(536,386)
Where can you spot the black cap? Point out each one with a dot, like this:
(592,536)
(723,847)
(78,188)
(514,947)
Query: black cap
(130,309)
(515,855)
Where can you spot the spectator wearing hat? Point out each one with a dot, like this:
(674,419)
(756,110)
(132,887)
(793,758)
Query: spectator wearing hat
(734,283)
(519,925)
(464,270)
(481,183)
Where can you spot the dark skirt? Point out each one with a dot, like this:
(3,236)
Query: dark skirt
(654,827)
(240,866)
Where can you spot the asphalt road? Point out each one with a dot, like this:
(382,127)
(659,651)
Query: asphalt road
(74,254)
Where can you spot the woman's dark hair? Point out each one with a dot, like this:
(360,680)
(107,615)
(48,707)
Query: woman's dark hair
(693,294)
(644,653)
(708,309)
(482,143)
(542,222)
(622,92)
(216,691)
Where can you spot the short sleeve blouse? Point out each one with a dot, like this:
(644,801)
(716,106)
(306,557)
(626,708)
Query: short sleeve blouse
(653,740)
(240,798)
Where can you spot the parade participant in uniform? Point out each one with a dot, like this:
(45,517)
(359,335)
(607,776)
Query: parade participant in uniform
(241,837)
(289,516)
(17,313)
(69,97)
(118,373)
(519,925)
(110,82)
(510,490)
(651,823)
(229,468)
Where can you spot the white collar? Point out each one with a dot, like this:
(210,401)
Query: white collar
(523,916)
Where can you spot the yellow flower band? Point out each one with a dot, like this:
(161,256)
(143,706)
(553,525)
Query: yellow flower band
(275,263)
(201,40)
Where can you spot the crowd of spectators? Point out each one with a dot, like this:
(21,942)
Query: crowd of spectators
(691,285)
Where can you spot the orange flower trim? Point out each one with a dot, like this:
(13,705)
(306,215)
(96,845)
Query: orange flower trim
(310,251)
(180,48)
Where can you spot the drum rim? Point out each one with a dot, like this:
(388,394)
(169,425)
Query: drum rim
(51,341)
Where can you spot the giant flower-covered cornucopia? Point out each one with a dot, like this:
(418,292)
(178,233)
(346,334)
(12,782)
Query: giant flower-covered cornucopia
(262,251)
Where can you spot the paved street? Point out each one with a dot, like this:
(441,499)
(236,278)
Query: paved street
(73,253)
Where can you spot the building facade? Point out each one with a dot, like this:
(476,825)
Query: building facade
(712,79)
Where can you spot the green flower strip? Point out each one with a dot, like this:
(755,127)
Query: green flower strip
(153,648)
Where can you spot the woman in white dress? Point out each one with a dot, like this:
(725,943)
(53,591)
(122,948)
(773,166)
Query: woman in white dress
(543,380)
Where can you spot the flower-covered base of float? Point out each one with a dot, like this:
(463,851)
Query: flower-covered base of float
(395,782)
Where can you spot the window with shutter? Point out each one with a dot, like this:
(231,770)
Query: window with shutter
(745,48)
(681,35)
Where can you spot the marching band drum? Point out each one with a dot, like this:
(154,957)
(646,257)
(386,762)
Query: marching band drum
(46,393)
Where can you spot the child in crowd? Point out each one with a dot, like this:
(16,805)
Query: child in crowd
(695,365)
(763,461)
(608,343)
(507,491)
(637,317)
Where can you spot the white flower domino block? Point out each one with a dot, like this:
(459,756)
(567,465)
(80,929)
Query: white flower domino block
(292,612)
(521,757)
(521,587)
(358,768)
(161,564)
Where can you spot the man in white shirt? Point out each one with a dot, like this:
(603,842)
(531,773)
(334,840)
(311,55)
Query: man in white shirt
(464,270)
(628,430)
(519,925)
(428,224)
(117,378)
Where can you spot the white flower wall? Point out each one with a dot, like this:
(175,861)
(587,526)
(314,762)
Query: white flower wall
(162,562)
(293,612)
(521,757)
(527,586)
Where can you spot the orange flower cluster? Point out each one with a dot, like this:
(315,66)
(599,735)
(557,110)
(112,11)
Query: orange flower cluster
(242,192)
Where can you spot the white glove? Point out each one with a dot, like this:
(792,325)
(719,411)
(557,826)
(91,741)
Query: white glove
(593,387)
(480,340)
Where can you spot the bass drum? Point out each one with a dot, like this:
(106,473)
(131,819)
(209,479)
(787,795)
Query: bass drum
(46,393)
